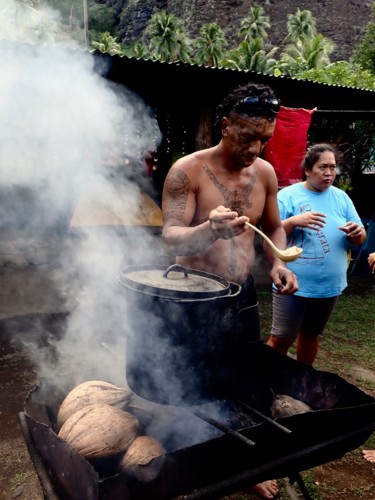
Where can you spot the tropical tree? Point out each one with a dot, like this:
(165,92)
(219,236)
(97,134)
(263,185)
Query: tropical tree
(364,52)
(256,25)
(301,24)
(108,44)
(138,50)
(102,18)
(26,21)
(251,55)
(307,53)
(167,38)
(209,47)
(341,73)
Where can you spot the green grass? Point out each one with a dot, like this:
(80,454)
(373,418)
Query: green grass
(347,348)
(19,479)
(349,339)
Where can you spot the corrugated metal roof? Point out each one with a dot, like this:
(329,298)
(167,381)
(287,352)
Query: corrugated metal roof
(162,82)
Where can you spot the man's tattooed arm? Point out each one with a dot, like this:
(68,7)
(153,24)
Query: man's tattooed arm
(177,233)
(177,187)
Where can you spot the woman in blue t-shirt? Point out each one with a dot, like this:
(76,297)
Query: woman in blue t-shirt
(321,219)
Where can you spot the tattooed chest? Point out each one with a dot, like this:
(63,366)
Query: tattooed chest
(238,200)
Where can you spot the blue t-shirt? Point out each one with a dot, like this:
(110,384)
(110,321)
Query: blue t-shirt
(321,268)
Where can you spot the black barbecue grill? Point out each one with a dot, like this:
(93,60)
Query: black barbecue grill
(217,447)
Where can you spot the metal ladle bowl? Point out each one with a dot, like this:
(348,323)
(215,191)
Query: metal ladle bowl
(288,255)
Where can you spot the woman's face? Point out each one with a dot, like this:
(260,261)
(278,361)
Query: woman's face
(323,172)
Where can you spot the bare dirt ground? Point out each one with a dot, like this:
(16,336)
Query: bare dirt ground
(349,478)
(23,292)
(17,475)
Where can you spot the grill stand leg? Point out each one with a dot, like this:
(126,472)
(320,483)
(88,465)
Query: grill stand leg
(298,479)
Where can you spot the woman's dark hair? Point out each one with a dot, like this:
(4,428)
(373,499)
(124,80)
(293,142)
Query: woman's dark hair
(251,99)
(312,156)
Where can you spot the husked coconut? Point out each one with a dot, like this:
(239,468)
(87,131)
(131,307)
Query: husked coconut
(99,431)
(138,457)
(92,392)
(286,406)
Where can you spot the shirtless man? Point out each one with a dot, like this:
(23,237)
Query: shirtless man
(210,194)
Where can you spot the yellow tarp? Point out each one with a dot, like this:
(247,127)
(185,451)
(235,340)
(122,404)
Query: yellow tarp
(94,212)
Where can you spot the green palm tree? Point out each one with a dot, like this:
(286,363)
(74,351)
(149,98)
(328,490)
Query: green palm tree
(168,40)
(364,51)
(341,73)
(256,25)
(301,24)
(308,53)
(210,45)
(251,55)
(107,44)
(137,49)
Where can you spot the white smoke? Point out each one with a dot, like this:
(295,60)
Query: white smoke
(67,134)
(21,21)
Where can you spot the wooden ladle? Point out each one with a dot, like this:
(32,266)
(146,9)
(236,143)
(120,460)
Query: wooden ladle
(287,255)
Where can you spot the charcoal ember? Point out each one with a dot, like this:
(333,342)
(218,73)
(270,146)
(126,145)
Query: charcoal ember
(286,406)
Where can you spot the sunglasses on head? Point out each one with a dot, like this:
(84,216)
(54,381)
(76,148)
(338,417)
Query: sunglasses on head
(258,105)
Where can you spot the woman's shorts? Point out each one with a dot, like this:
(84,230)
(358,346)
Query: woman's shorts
(293,314)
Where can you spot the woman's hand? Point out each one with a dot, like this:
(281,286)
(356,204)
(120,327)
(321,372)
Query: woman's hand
(371,261)
(355,232)
(310,220)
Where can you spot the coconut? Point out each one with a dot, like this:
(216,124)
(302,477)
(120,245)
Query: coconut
(137,460)
(100,431)
(286,406)
(92,392)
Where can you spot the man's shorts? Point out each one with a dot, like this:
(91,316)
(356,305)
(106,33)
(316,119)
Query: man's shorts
(293,314)
(248,312)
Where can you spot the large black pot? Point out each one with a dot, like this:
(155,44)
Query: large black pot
(182,332)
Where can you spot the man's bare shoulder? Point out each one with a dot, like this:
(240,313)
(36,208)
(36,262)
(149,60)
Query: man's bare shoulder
(265,168)
(266,174)
(193,161)
(263,164)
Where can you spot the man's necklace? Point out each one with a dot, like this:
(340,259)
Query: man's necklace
(235,200)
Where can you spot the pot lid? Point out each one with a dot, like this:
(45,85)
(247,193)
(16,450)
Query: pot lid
(174,281)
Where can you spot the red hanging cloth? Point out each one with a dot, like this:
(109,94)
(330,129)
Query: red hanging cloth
(287,147)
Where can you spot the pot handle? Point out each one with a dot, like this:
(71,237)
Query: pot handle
(175,267)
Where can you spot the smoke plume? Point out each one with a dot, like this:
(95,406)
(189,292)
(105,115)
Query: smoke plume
(72,141)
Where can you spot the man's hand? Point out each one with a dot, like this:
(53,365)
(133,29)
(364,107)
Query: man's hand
(285,281)
(226,223)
